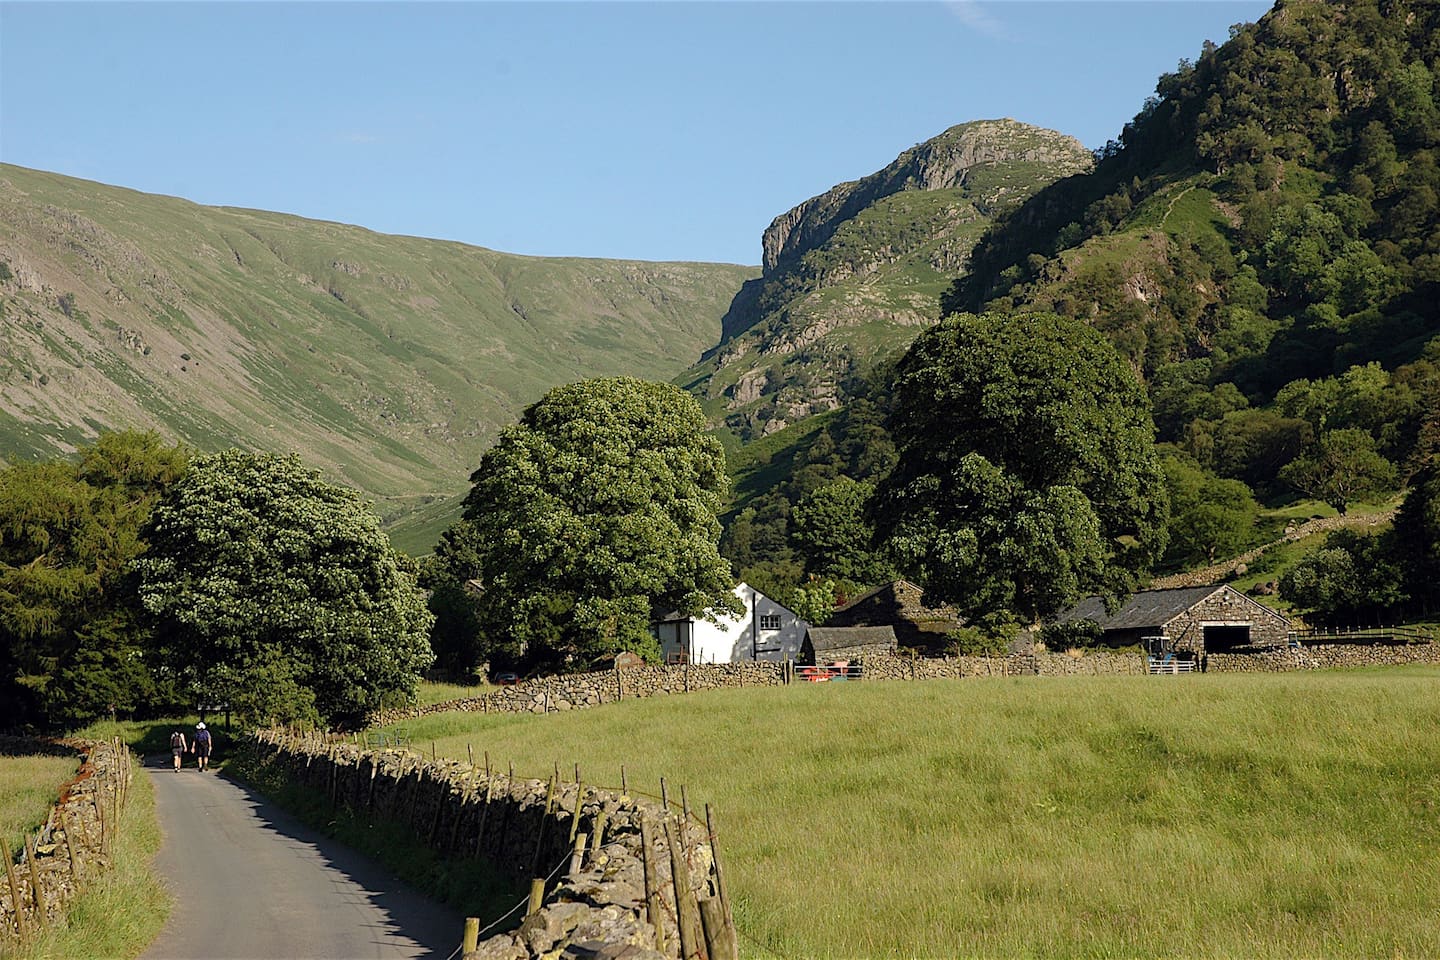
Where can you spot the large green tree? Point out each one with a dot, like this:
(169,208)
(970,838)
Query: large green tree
(276,591)
(1340,468)
(1209,517)
(834,535)
(1027,472)
(590,517)
(72,646)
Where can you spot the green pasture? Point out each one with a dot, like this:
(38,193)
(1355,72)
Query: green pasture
(1205,816)
(29,786)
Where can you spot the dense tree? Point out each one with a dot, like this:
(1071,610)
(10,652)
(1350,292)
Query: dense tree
(835,537)
(1209,517)
(1027,473)
(1417,537)
(277,591)
(590,517)
(1353,578)
(71,644)
(1340,468)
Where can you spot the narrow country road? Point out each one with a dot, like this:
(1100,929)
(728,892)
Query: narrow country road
(252,883)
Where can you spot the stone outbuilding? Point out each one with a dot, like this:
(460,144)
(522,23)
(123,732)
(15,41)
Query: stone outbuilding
(831,644)
(898,605)
(1198,620)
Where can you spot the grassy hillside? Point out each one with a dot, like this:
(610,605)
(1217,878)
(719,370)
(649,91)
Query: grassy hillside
(853,274)
(1208,816)
(390,362)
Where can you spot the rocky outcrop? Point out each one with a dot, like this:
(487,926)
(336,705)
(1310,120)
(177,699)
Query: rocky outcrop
(937,164)
(854,274)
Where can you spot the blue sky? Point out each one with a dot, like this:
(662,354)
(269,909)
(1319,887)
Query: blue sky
(660,131)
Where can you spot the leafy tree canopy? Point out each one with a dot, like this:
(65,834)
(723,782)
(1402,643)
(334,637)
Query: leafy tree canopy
(1209,517)
(590,517)
(277,591)
(1027,472)
(1340,468)
(71,648)
(834,535)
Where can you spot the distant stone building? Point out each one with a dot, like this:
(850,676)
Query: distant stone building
(1198,620)
(897,605)
(831,644)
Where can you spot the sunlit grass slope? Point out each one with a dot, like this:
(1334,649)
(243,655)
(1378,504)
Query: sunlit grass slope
(28,787)
(1213,816)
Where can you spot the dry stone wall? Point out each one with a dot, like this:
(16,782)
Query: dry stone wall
(594,901)
(1324,656)
(74,846)
(578,690)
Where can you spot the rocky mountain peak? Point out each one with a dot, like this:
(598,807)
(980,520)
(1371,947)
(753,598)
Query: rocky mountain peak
(940,163)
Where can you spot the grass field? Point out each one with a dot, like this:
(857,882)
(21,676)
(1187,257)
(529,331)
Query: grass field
(29,785)
(1209,816)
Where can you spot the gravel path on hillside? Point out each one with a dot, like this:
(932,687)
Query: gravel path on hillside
(250,881)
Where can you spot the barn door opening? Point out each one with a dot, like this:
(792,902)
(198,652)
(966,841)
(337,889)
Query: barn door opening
(1219,639)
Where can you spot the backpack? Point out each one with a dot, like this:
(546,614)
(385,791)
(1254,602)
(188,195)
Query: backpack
(176,740)
(202,736)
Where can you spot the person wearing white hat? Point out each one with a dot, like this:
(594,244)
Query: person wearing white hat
(201,746)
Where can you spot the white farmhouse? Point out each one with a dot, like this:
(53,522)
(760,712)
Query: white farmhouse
(766,630)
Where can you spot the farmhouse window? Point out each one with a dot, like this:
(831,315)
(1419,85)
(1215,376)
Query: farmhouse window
(769,621)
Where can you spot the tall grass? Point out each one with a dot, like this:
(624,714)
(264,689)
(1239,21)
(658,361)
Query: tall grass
(29,786)
(1208,816)
(121,912)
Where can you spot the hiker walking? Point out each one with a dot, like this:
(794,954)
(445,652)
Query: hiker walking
(202,746)
(177,747)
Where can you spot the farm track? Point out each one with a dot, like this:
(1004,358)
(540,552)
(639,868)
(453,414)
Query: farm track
(250,881)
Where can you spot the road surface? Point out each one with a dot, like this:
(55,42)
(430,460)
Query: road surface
(252,883)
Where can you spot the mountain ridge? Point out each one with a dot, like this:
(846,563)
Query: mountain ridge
(388,361)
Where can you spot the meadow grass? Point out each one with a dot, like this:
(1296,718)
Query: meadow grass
(1206,816)
(440,692)
(29,786)
(119,914)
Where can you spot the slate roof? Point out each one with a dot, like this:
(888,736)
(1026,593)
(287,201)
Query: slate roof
(1148,608)
(834,638)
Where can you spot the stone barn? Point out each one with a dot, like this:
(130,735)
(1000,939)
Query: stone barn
(1197,620)
(831,644)
(898,605)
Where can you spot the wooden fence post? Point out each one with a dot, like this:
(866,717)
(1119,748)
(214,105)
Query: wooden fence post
(575,817)
(597,839)
(470,942)
(37,895)
(15,901)
(686,912)
(537,896)
(720,887)
(577,853)
(720,942)
(652,887)
(69,844)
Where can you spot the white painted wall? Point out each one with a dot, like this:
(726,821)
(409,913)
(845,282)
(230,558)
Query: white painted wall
(734,639)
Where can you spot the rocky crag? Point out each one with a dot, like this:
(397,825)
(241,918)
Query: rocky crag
(856,272)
